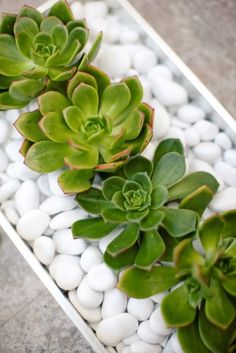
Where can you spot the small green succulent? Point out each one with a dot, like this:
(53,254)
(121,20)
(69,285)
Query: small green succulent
(138,201)
(36,49)
(203,306)
(96,125)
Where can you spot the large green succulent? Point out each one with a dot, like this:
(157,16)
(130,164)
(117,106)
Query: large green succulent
(203,306)
(138,201)
(95,125)
(35,49)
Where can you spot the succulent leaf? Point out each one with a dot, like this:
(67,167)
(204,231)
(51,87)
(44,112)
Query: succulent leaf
(28,126)
(167,146)
(93,228)
(190,339)
(125,240)
(93,201)
(198,200)
(123,260)
(179,222)
(76,180)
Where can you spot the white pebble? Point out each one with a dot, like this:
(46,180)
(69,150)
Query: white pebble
(12,149)
(226,172)
(22,172)
(105,241)
(62,258)
(32,224)
(144,61)
(90,258)
(3,161)
(27,197)
(128,36)
(174,342)
(49,232)
(168,92)
(87,296)
(110,60)
(192,137)
(161,122)
(190,113)
(149,151)
(200,166)
(101,278)
(119,347)
(12,215)
(8,189)
(179,123)
(4,131)
(157,298)
(224,200)
(147,94)
(53,183)
(147,335)
(223,140)
(43,184)
(96,9)
(44,249)
(143,347)
(77,10)
(159,70)
(66,244)
(206,129)
(230,157)
(91,315)
(125,350)
(56,204)
(141,308)
(114,303)
(67,274)
(131,339)
(66,219)
(207,151)
(175,132)
(114,329)
(157,323)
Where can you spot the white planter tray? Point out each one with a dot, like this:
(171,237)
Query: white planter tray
(194,87)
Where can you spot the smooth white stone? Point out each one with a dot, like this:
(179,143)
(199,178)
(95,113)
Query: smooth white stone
(32,224)
(192,137)
(4,131)
(190,113)
(161,121)
(3,161)
(90,258)
(94,326)
(175,344)
(8,203)
(147,335)
(91,315)
(206,130)
(149,150)
(27,197)
(168,92)
(143,347)
(200,166)
(175,132)
(67,274)
(157,323)
(105,241)
(96,9)
(77,10)
(226,172)
(12,149)
(147,93)
(87,296)
(15,135)
(8,189)
(159,70)
(56,204)
(131,339)
(22,172)
(53,183)
(141,308)
(4,178)
(113,31)
(49,232)
(224,200)
(62,258)
(133,49)
(114,329)
(125,350)
(66,219)
(66,244)
(110,60)
(43,184)
(129,36)
(11,171)
(144,60)
(223,140)
(207,151)
(11,115)
(120,346)
(12,215)
(114,303)
(157,298)
(101,278)
(44,249)
(179,123)
(230,157)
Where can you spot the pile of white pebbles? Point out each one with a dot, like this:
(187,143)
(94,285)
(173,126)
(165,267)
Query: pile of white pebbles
(43,215)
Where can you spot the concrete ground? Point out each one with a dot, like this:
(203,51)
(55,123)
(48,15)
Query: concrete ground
(203,34)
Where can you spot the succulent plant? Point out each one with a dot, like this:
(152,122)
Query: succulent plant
(36,49)
(203,305)
(138,201)
(95,126)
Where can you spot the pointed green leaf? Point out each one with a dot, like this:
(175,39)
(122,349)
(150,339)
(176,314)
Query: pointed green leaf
(52,102)
(149,283)
(26,89)
(125,240)
(132,125)
(121,261)
(136,165)
(140,143)
(176,309)
(25,147)
(8,102)
(27,25)
(62,10)
(92,229)
(185,255)
(148,113)
(170,243)
(191,183)
(151,249)
(86,98)
(7,22)
(73,117)
(111,185)
(169,169)
(115,99)
(55,128)
(101,78)
(159,197)
(210,233)
(131,186)
(74,181)
(179,222)
(42,38)
(27,125)
(114,215)
(230,226)
(80,77)
(229,284)
(28,11)
(136,216)
(82,159)
(49,23)
(65,57)
(143,179)
(118,200)
(36,73)
(152,220)
(93,201)
(198,200)
(61,74)
(93,51)
(60,36)
(167,146)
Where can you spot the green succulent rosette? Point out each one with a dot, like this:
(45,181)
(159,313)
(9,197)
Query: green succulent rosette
(36,49)
(203,305)
(139,202)
(95,126)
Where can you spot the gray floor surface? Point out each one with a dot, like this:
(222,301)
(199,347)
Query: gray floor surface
(203,34)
